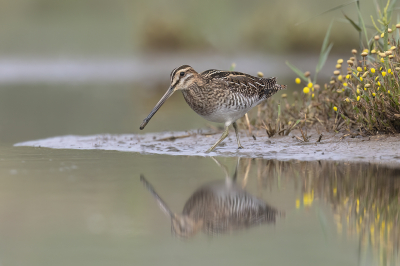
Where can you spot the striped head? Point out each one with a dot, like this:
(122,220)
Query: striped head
(183,226)
(181,77)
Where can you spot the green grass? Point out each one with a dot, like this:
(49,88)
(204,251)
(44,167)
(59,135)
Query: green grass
(363,95)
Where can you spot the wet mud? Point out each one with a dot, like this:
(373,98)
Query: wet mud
(341,147)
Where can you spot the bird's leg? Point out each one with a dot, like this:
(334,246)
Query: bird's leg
(224,135)
(236,170)
(237,135)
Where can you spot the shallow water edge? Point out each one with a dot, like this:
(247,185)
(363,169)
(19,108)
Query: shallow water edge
(384,149)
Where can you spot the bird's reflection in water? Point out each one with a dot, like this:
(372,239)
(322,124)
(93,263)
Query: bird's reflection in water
(216,208)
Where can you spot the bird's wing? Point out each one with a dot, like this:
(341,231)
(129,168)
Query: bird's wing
(244,84)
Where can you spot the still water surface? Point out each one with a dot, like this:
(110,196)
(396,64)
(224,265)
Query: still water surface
(75,207)
(70,207)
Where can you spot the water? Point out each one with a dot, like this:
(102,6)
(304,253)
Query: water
(72,207)
(88,207)
(30,112)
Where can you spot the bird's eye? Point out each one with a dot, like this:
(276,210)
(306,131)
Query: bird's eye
(182,74)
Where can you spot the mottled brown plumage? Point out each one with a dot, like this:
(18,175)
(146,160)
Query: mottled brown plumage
(218,96)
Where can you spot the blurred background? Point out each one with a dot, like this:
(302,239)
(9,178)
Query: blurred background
(120,28)
(99,66)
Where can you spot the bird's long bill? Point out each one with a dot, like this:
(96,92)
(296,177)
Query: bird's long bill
(168,94)
(163,206)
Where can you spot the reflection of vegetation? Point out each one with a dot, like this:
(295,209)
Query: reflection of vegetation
(366,202)
(365,198)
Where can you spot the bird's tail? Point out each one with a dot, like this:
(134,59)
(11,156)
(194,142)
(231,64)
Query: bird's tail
(280,87)
(271,91)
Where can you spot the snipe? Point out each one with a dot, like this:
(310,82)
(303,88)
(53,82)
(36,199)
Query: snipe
(218,96)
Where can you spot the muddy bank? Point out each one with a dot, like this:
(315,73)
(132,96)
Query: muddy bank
(382,148)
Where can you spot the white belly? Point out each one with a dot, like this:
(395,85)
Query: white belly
(226,116)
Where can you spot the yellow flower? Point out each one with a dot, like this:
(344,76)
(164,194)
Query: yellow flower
(347,100)
(335,108)
(340,61)
(358,98)
(306,90)
(342,89)
(376,78)
(345,84)
(312,95)
(365,51)
(297,80)
(380,68)
(372,70)
(382,60)
(389,70)
(379,84)
(361,79)
(347,76)
(365,88)
(358,91)
(373,52)
(393,47)
(373,94)
(365,68)
(309,85)
(340,77)
(308,198)
(388,91)
(383,73)
(383,34)
(378,88)
(359,69)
